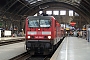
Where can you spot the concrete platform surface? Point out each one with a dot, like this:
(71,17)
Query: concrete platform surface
(11,50)
(73,48)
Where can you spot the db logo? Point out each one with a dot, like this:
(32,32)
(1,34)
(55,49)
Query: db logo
(38,32)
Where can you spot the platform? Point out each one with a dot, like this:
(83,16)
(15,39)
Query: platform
(10,38)
(73,48)
(9,51)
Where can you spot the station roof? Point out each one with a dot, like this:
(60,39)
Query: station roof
(23,8)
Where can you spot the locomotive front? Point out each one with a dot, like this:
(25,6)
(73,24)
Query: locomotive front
(39,33)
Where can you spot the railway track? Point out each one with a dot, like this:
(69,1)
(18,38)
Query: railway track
(39,57)
(23,56)
(27,56)
(7,42)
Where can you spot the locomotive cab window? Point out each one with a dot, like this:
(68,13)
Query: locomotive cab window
(45,23)
(39,23)
(33,23)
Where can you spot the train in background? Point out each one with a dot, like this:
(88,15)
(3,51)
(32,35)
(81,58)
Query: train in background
(42,33)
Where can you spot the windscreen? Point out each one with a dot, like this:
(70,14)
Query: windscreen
(39,23)
(45,23)
(33,23)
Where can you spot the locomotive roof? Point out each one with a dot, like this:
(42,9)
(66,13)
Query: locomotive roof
(41,17)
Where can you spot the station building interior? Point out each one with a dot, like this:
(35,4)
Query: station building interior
(14,12)
(74,19)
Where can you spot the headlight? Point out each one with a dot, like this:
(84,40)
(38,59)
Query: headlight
(49,37)
(28,36)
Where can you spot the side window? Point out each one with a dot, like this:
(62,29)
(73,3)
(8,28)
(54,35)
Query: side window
(55,23)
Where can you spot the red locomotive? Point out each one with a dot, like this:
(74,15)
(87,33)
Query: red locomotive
(42,33)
